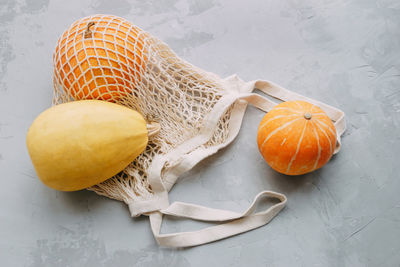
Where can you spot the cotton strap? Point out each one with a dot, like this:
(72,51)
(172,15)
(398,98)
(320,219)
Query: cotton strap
(232,223)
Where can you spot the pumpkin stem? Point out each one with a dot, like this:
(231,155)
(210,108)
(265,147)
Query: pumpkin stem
(307,116)
(88,32)
(153,128)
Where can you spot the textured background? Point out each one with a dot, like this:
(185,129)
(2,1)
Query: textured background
(345,53)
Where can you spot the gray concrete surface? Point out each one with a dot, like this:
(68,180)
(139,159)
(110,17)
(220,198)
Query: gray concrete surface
(346,53)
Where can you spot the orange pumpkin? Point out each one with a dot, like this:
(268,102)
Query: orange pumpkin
(296,137)
(100,57)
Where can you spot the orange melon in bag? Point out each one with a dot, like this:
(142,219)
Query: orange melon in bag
(101,57)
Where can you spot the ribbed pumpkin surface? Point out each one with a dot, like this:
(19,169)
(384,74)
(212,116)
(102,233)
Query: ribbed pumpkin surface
(296,137)
(101,57)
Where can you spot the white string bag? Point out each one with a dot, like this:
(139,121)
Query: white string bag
(199,114)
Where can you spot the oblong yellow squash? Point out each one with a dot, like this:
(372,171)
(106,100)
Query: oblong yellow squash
(79,144)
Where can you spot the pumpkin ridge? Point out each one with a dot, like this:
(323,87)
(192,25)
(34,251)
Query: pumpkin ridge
(319,146)
(298,147)
(288,109)
(301,108)
(312,107)
(326,135)
(326,126)
(277,117)
(277,130)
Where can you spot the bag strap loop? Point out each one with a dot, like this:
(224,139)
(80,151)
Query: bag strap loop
(232,223)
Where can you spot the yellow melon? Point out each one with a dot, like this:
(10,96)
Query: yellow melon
(79,144)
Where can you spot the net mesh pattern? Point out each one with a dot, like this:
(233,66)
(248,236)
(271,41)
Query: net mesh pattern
(108,58)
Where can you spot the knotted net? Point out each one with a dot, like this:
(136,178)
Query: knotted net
(108,58)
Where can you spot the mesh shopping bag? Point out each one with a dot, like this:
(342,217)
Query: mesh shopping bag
(108,58)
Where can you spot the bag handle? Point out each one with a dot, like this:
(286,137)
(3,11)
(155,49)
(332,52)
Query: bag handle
(234,223)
